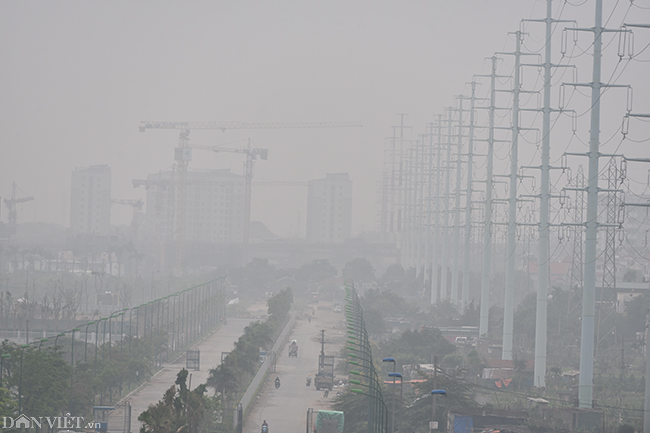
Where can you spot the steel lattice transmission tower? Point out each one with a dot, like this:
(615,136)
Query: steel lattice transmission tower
(578,233)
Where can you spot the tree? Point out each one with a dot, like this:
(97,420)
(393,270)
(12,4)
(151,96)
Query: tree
(359,270)
(399,280)
(414,347)
(279,305)
(318,270)
(179,410)
(45,379)
(378,304)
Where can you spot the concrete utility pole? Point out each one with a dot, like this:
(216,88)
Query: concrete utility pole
(405,206)
(539,375)
(435,297)
(511,247)
(427,232)
(455,268)
(468,205)
(445,227)
(412,186)
(487,229)
(586,384)
(586,381)
(418,232)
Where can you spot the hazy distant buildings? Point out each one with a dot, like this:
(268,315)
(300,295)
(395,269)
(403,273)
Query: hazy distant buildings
(90,201)
(214,207)
(329,209)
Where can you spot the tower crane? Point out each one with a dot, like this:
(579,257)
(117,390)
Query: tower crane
(137,210)
(183,155)
(11,203)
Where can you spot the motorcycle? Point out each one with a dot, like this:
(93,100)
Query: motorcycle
(277,383)
(265,428)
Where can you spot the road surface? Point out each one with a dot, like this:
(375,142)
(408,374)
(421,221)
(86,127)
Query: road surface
(285,409)
(221,340)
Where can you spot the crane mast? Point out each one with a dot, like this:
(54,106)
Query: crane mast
(12,217)
(183,155)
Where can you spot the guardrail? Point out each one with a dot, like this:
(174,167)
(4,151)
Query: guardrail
(254,387)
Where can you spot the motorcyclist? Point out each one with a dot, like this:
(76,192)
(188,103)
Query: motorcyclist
(309,380)
(277,382)
(265,427)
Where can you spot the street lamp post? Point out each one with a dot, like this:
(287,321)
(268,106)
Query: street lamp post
(97,342)
(72,362)
(20,382)
(122,330)
(2,361)
(57,338)
(86,339)
(392,415)
(43,340)
(435,393)
(401,388)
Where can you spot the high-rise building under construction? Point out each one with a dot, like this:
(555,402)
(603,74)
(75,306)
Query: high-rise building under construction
(329,209)
(90,201)
(215,202)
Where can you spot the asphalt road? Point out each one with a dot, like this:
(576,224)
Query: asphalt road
(285,409)
(221,340)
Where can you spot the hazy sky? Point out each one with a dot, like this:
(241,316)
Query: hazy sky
(78,76)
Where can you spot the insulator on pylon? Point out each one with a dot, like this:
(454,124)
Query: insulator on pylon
(562,95)
(622,42)
(563,43)
(629,99)
(625,127)
(562,199)
(560,233)
(565,162)
(620,217)
(630,46)
(622,172)
(534,183)
(621,235)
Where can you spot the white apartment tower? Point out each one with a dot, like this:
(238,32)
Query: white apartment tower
(214,206)
(90,201)
(329,209)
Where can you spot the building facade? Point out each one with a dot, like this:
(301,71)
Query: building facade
(90,201)
(214,206)
(329,209)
